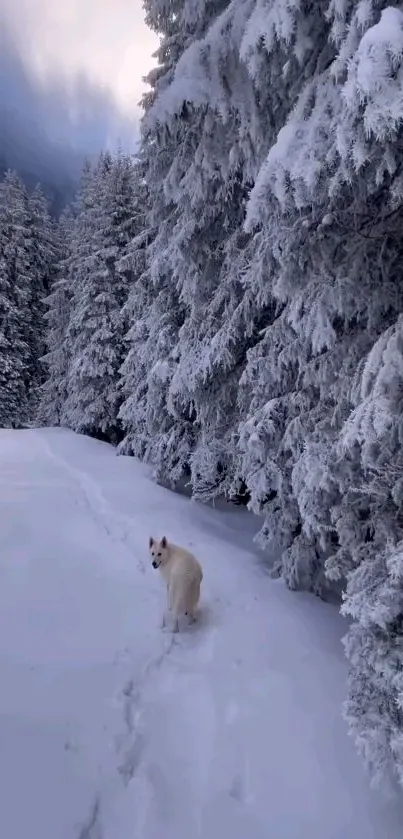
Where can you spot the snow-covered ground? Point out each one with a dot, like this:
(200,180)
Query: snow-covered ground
(112,729)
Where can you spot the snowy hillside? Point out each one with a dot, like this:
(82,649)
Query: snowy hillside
(111,729)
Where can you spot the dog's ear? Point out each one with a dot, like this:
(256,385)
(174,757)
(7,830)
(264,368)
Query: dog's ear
(164,542)
(151,541)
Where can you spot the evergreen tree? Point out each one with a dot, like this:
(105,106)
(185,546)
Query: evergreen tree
(326,210)
(43,265)
(158,313)
(15,298)
(55,361)
(134,369)
(96,327)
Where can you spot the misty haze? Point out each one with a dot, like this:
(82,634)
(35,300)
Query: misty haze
(49,124)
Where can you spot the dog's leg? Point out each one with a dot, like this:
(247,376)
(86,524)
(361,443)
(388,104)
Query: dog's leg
(175,627)
(168,609)
(194,595)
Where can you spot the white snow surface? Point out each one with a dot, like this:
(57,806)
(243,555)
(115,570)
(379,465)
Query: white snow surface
(113,729)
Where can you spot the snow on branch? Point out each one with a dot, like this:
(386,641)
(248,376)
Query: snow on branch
(375,77)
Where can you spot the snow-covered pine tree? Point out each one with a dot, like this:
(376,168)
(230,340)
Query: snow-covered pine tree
(135,367)
(85,215)
(206,186)
(42,271)
(95,332)
(371,527)
(234,97)
(372,533)
(71,275)
(327,210)
(15,299)
(151,429)
(55,361)
(197,327)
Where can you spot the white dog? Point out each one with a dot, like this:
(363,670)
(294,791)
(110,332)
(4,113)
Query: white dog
(183,576)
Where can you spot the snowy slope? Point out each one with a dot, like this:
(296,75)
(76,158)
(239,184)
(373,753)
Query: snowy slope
(111,729)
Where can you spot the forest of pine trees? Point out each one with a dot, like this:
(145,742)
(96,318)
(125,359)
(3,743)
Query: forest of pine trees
(229,304)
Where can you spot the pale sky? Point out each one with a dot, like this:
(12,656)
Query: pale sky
(107,39)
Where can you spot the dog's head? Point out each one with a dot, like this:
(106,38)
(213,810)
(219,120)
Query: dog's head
(158,551)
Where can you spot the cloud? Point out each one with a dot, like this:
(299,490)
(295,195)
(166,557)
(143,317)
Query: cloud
(49,120)
(106,39)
